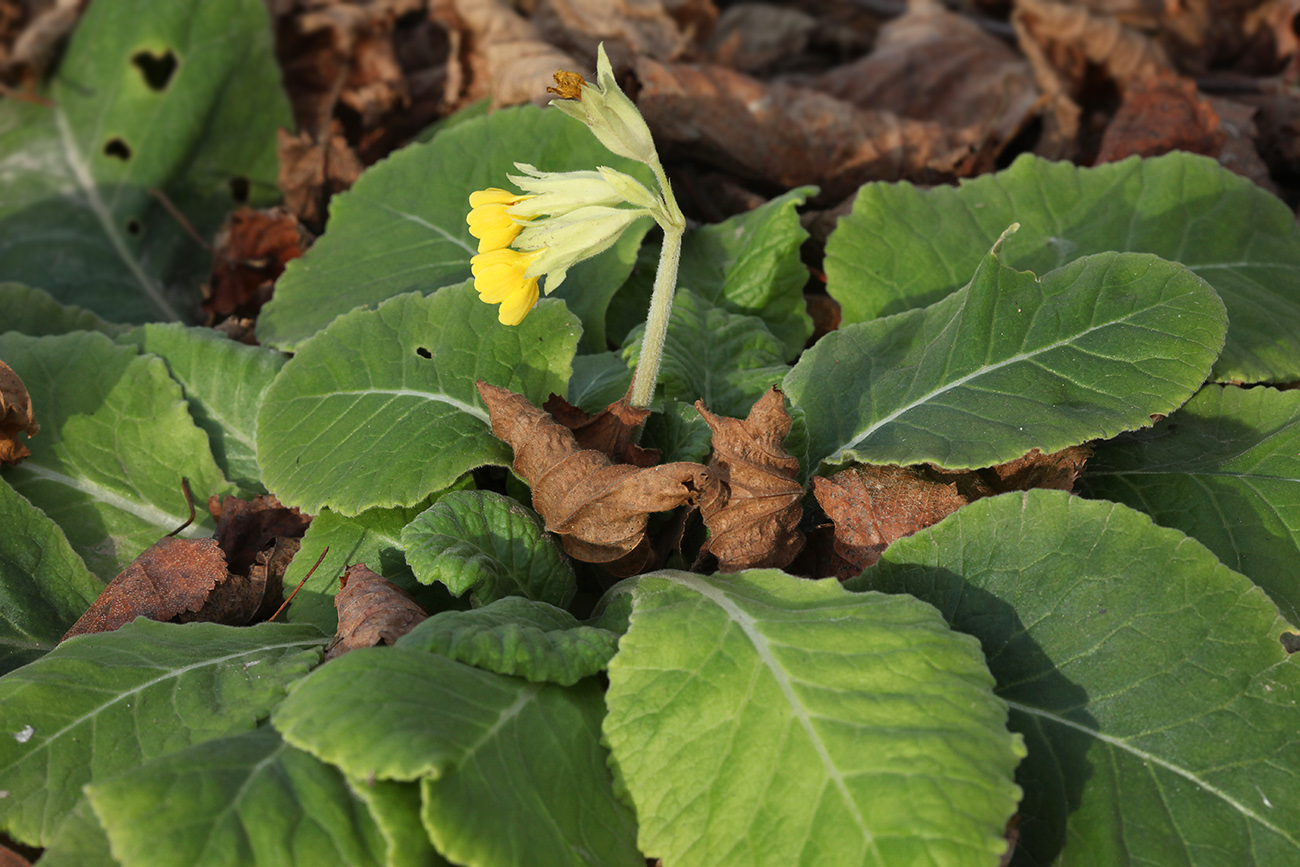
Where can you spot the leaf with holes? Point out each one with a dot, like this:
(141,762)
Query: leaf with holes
(1010,363)
(1224,469)
(1157,702)
(511,772)
(380,409)
(401,228)
(183,98)
(762,719)
(904,248)
(101,704)
(116,439)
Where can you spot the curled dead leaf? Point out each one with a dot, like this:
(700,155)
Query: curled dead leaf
(612,431)
(372,611)
(16,416)
(252,250)
(750,500)
(598,508)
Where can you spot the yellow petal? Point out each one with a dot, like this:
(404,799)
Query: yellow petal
(492,196)
(516,307)
(492,226)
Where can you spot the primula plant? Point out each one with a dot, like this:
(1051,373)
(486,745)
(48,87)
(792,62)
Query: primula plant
(1003,566)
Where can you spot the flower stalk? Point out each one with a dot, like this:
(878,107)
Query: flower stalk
(646,375)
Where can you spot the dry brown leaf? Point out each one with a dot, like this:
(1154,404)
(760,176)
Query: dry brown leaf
(243,599)
(372,611)
(16,416)
(247,528)
(170,578)
(507,57)
(752,37)
(10,858)
(1160,113)
(786,136)
(1056,471)
(252,250)
(1240,151)
(598,508)
(629,28)
(874,505)
(934,65)
(612,431)
(37,47)
(750,500)
(312,170)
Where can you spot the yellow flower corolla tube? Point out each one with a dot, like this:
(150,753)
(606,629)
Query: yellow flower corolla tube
(489,221)
(500,276)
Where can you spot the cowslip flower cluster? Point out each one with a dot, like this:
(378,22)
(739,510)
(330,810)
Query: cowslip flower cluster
(561,218)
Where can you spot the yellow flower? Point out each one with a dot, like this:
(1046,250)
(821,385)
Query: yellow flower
(499,278)
(488,220)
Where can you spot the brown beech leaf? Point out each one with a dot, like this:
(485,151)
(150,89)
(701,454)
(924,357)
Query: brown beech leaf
(372,611)
(1056,471)
(1160,113)
(251,254)
(611,431)
(10,858)
(751,37)
(312,169)
(935,65)
(629,28)
(246,528)
(598,508)
(786,136)
(750,501)
(509,60)
(243,599)
(15,416)
(170,578)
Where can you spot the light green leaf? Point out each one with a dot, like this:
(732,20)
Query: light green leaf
(903,248)
(248,799)
(1148,679)
(490,546)
(598,380)
(100,704)
(679,432)
(1011,363)
(44,586)
(36,313)
(380,409)
(513,772)
(1224,469)
(374,538)
(758,718)
(116,439)
(396,811)
(224,382)
(79,841)
(402,228)
(724,359)
(520,637)
(182,97)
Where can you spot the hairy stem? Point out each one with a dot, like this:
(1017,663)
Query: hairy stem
(656,326)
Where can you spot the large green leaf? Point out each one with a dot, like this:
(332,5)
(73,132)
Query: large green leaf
(402,228)
(249,799)
(724,359)
(223,382)
(80,841)
(1224,469)
(44,586)
(1010,363)
(748,264)
(396,810)
(181,97)
(1148,679)
(490,546)
(36,313)
(520,637)
(512,772)
(380,408)
(116,439)
(100,704)
(758,718)
(903,248)
(374,538)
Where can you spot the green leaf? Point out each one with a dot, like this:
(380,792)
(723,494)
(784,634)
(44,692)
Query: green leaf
(598,380)
(758,718)
(248,799)
(180,97)
(80,841)
(396,811)
(679,432)
(513,772)
(724,359)
(224,382)
(100,704)
(490,546)
(36,313)
(903,248)
(1224,469)
(1148,679)
(375,538)
(380,408)
(520,637)
(1011,363)
(402,228)
(116,439)
(44,586)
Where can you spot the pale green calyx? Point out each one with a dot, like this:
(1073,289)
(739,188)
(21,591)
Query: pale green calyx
(610,115)
(563,240)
